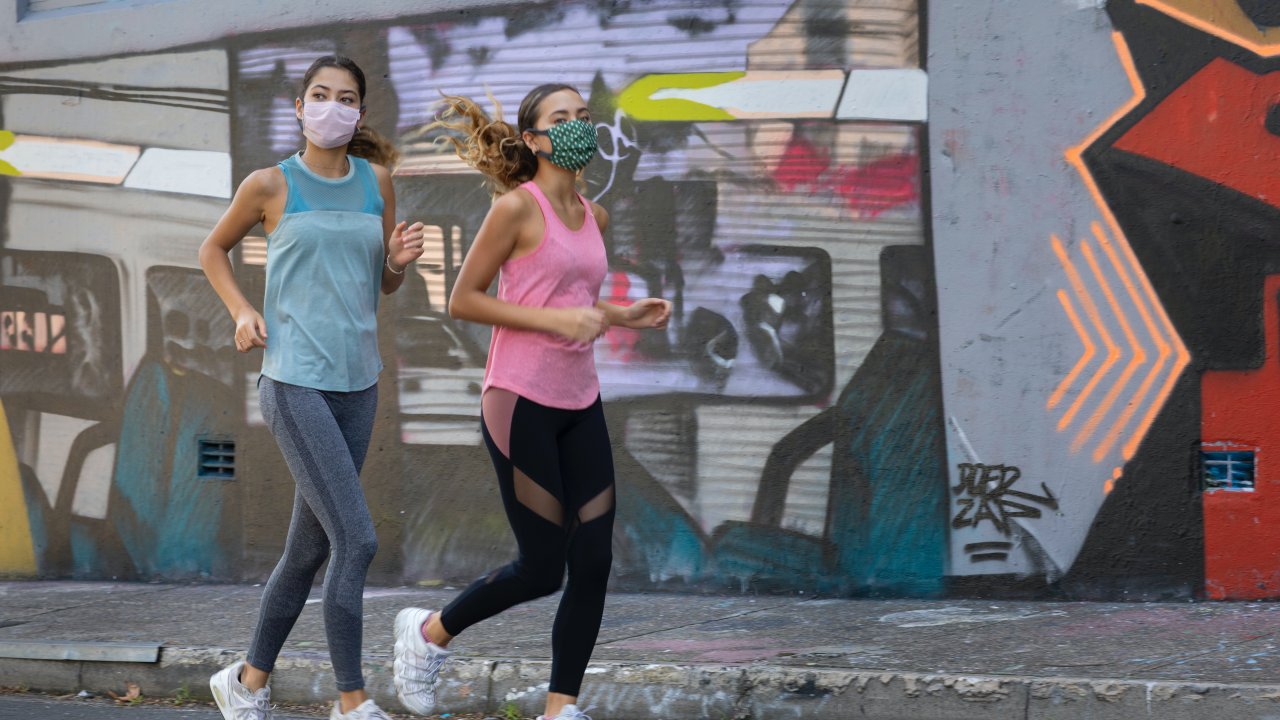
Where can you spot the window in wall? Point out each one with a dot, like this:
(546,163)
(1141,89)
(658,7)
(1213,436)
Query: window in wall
(1228,468)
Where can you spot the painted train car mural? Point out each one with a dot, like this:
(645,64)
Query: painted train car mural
(1005,322)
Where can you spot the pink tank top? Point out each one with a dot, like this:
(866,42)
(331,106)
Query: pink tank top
(565,270)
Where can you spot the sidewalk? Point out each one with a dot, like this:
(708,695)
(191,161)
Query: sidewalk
(690,656)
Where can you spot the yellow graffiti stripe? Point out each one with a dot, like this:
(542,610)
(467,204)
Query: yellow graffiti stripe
(637,100)
(6,139)
(17,556)
(1223,19)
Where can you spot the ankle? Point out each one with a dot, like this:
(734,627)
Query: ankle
(439,638)
(557,702)
(252,678)
(348,701)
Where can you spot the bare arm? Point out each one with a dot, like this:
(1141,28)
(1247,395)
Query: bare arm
(247,209)
(402,245)
(494,243)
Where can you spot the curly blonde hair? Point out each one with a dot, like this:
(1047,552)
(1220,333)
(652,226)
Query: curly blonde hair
(493,146)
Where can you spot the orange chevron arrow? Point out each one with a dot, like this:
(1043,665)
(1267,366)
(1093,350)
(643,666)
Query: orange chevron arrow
(1090,349)
(1138,286)
(1138,354)
(1162,348)
(1091,311)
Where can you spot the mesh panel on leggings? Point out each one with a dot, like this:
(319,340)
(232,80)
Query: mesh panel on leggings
(597,506)
(535,497)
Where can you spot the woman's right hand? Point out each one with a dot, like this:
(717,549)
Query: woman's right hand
(251,330)
(580,324)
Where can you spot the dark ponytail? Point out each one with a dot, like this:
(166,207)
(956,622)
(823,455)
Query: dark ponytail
(374,147)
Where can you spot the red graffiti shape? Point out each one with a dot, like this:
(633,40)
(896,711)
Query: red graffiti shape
(1215,126)
(881,185)
(621,341)
(1242,527)
(802,163)
(869,189)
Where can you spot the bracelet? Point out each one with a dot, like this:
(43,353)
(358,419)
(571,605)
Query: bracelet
(393,270)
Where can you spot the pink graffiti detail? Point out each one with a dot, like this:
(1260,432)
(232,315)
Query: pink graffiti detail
(621,342)
(868,189)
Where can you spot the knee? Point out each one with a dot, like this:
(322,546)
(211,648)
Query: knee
(306,558)
(541,578)
(547,584)
(592,561)
(359,550)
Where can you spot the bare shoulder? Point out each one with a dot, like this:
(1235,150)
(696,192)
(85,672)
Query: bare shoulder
(381,172)
(601,215)
(514,205)
(264,183)
(385,186)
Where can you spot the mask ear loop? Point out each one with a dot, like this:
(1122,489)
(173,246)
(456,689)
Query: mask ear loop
(542,153)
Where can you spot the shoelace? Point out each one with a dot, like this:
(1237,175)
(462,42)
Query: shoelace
(433,666)
(429,671)
(577,714)
(262,708)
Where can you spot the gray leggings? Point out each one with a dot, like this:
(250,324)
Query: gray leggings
(323,436)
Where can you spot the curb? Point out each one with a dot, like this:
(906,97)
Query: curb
(631,691)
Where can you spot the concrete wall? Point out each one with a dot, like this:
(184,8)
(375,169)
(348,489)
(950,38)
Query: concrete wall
(996,323)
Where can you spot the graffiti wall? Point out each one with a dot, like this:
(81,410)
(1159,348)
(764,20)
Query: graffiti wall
(1005,322)
(762,166)
(1103,221)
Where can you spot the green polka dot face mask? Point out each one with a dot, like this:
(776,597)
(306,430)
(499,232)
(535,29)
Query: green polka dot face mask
(573,144)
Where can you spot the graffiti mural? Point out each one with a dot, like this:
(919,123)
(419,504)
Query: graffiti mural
(1120,349)
(1002,324)
(762,166)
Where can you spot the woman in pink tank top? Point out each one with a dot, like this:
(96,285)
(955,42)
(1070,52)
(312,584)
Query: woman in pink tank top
(540,414)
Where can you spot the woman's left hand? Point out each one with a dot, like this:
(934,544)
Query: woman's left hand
(647,314)
(405,246)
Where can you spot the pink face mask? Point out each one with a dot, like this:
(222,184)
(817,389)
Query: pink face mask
(329,124)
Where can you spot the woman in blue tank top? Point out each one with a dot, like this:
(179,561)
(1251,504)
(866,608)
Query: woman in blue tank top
(332,246)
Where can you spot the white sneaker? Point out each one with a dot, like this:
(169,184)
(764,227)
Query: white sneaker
(418,662)
(236,701)
(367,710)
(568,712)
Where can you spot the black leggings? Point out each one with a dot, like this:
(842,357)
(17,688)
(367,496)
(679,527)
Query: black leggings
(549,461)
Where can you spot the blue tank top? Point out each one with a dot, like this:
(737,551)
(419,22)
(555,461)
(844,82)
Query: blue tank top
(324,275)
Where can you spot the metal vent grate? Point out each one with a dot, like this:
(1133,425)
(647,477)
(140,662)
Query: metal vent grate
(217,460)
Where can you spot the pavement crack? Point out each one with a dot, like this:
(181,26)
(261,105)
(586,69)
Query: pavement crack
(1181,658)
(90,603)
(722,618)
